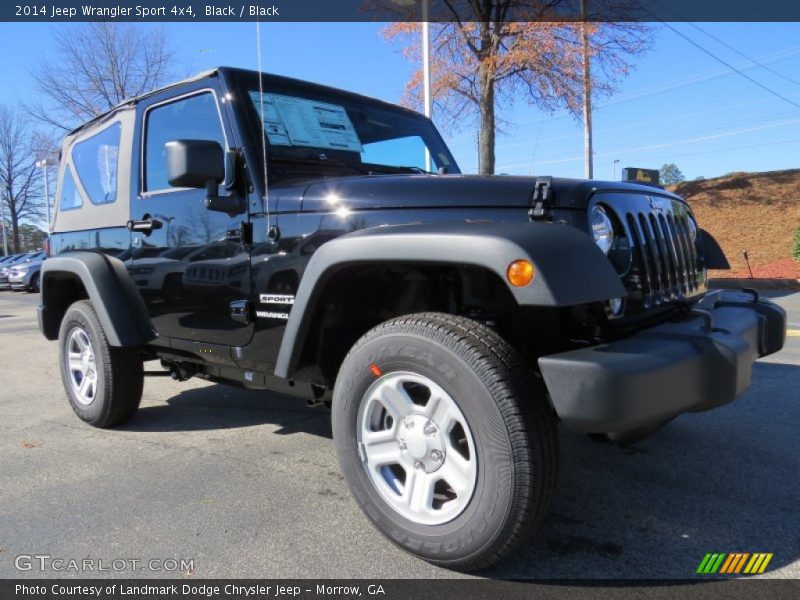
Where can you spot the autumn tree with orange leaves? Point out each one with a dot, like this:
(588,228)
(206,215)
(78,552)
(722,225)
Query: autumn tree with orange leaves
(482,62)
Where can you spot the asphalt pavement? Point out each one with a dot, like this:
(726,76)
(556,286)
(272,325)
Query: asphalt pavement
(246,484)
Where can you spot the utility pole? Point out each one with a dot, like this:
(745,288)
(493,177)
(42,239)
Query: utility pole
(587,97)
(426,71)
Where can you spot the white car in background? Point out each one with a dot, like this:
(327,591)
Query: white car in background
(22,260)
(161,277)
(25,275)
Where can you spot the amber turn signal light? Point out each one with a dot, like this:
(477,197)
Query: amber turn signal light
(520,273)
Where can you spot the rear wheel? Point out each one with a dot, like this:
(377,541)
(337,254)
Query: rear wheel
(445,438)
(33,286)
(103,383)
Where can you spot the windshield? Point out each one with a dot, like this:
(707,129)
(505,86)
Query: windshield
(312,131)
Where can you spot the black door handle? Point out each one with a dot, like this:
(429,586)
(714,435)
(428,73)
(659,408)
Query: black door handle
(146,225)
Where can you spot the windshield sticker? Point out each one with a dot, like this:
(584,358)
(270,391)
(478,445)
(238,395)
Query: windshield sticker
(273,125)
(290,121)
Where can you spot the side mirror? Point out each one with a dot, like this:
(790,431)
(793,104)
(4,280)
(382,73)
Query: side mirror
(198,164)
(194,163)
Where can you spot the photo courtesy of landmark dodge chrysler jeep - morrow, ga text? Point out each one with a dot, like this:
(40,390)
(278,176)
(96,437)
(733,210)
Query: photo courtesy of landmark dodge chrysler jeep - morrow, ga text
(280,235)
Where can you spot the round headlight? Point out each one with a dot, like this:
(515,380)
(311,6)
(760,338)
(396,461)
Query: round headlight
(602,228)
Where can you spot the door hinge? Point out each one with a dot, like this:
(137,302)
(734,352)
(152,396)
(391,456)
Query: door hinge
(541,198)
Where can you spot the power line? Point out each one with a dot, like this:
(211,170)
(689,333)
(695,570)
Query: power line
(706,152)
(726,44)
(730,66)
(640,124)
(618,151)
(742,54)
(675,84)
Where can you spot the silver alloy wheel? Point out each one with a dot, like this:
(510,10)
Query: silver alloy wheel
(81,366)
(417,448)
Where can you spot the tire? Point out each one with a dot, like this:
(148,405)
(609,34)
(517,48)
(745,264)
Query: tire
(33,286)
(501,434)
(114,376)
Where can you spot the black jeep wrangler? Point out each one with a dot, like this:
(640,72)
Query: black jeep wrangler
(280,235)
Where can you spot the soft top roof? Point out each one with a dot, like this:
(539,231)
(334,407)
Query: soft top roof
(131,102)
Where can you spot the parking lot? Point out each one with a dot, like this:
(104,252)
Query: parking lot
(246,483)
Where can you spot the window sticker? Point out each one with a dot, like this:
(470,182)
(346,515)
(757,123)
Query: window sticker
(290,121)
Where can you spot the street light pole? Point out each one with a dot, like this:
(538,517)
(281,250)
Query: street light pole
(426,71)
(616,160)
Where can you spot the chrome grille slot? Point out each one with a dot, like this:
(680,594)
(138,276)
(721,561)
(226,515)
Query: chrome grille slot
(655,258)
(670,268)
(665,264)
(641,260)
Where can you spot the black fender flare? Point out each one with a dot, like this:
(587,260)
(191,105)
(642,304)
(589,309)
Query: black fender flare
(118,304)
(570,268)
(713,253)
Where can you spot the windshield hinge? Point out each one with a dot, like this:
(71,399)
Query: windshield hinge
(541,198)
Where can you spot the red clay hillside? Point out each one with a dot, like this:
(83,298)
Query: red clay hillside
(757,212)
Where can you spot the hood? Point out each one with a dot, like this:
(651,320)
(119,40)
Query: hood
(449,191)
(30,264)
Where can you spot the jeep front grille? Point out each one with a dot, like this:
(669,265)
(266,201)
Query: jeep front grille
(665,265)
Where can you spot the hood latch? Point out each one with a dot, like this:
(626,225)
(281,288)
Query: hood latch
(541,198)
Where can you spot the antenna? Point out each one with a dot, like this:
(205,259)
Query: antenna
(263,130)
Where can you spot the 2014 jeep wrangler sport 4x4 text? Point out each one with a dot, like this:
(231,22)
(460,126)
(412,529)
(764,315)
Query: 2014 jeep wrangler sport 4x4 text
(280,235)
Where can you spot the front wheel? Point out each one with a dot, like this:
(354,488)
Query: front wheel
(445,438)
(33,286)
(103,383)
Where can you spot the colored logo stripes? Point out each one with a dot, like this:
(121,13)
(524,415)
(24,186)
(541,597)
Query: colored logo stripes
(733,563)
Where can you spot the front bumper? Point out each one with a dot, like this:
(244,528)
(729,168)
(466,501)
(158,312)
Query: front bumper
(689,365)
(19,282)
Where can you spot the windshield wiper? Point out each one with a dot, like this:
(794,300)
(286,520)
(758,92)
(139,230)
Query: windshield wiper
(402,169)
(320,159)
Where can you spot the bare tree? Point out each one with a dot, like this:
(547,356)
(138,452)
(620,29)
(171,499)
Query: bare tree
(484,57)
(95,66)
(21,182)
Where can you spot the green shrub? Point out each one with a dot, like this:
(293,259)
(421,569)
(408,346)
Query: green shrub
(796,245)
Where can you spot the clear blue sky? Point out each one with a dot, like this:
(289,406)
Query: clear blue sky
(679,105)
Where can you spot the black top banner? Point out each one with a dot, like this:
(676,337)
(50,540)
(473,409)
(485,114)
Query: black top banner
(401,10)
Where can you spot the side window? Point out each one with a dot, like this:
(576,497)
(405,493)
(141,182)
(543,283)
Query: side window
(192,118)
(95,160)
(70,198)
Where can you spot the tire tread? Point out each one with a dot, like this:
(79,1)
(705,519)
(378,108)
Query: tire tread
(123,370)
(530,423)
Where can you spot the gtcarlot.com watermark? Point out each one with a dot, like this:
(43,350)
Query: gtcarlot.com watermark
(60,564)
